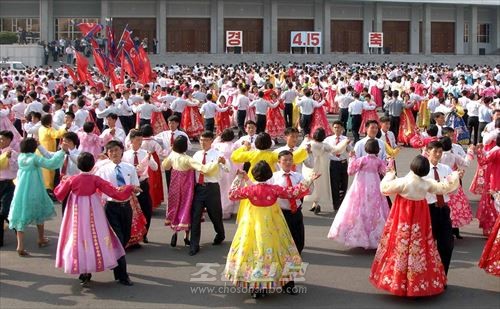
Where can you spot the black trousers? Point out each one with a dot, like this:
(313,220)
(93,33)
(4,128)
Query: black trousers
(240,119)
(480,130)
(180,117)
(442,232)
(339,180)
(166,114)
(127,123)
(145,202)
(209,124)
(99,123)
(143,122)
(261,123)
(344,117)
(7,188)
(18,125)
(305,123)
(206,196)
(395,121)
(295,224)
(473,125)
(168,174)
(355,125)
(288,114)
(119,216)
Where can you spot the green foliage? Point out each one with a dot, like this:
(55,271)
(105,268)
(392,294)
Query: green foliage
(8,37)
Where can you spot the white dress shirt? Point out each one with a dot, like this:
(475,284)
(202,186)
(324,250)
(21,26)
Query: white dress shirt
(472,108)
(146,110)
(34,106)
(288,96)
(107,172)
(332,141)
(212,156)
(242,102)
(443,171)
(81,116)
(58,118)
(179,104)
(125,107)
(307,105)
(279,178)
(144,163)
(165,137)
(309,162)
(261,106)
(209,109)
(119,135)
(18,110)
(390,135)
(359,148)
(356,107)
(72,156)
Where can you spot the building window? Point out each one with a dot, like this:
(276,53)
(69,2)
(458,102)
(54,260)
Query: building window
(66,28)
(483,33)
(31,25)
(466,33)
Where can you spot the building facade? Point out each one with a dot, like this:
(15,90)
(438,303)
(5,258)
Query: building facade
(199,26)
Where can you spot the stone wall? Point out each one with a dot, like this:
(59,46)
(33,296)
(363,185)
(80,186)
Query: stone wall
(29,55)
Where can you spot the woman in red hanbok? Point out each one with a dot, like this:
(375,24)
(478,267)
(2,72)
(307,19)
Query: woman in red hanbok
(192,121)
(154,177)
(275,122)
(490,259)
(407,261)
(407,126)
(376,87)
(331,105)
(369,113)
(319,119)
(138,229)
(223,119)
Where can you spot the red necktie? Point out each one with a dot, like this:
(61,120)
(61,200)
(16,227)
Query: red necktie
(293,202)
(337,143)
(439,197)
(294,167)
(64,167)
(387,139)
(136,159)
(201,179)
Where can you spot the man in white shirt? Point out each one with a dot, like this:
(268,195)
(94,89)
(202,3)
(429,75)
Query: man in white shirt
(145,110)
(119,213)
(485,116)
(355,110)
(58,117)
(292,138)
(207,194)
(438,207)
(112,132)
(261,107)
(208,110)
(241,104)
(18,109)
(472,107)
(142,161)
(307,106)
(81,114)
(372,128)
(179,105)
(288,97)
(343,101)
(34,106)
(127,117)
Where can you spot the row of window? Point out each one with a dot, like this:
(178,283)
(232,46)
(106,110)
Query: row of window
(483,33)
(66,28)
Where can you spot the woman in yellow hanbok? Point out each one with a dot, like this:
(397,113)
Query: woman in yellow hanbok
(263,254)
(47,137)
(263,144)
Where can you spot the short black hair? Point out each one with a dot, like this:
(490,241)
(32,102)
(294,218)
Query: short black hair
(432,130)
(338,122)
(261,171)
(8,134)
(112,116)
(135,133)
(208,134)
(147,130)
(437,115)
(180,144)
(291,130)
(73,137)
(446,143)
(385,119)
(46,120)
(372,146)
(227,135)
(174,118)
(370,122)
(434,145)
(447,130)
(113,144)
(285,153)
(85,162)
(28,145)
(71,114)
(250,122)
(319,135)
(420,166)
(88,127)
(263,141)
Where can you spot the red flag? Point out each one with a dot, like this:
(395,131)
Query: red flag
(72,73)
(115,80)
(99,61)
(126,43)
(81,67)
(147,73)
(128,65)
(136,60)
(89,29)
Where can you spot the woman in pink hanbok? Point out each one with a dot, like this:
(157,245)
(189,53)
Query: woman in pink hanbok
(319,119)
(89,141)
(226,145)
(87,242)
(361,217)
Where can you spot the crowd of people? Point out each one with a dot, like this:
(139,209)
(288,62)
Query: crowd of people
(113,155)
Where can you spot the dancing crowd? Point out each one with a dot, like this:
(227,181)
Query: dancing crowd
(112,155)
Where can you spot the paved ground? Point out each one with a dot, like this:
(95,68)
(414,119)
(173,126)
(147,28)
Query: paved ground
(166,277)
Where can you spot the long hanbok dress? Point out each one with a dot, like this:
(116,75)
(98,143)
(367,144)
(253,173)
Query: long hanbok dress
(47,138)
(31,203)
(486,212)
(275,122)
(407,127)
(460,208)
(90,142)
(242,155)
(138,228)
(181,189)
(229,207)
(424,115)
(361,217)
(192,121)
(223,119)
(6,124)
(263,254)
(407,261)
(154,177)
(87,242)
(490,258)
(319,120)
(321,193)
(367,115)
(455,121)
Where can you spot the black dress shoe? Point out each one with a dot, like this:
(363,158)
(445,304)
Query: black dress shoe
(145,239)
(173,241)
(193,251)
(218,240)
(187,242)
(317,209)
(126,282)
